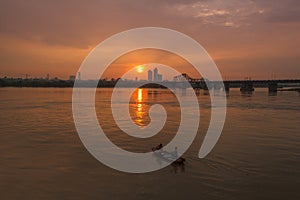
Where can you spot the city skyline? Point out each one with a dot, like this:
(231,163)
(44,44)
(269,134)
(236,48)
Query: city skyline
(156,76)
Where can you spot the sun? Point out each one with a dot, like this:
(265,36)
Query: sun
(140,69)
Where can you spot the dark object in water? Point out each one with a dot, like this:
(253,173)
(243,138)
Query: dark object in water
(179,161)
(158,147)
(167,156)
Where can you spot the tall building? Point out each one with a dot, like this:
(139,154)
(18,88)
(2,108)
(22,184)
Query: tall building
(150,78)
(155,74)
(159,77)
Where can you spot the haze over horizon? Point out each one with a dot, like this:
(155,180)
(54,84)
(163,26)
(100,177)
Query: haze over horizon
(251,38)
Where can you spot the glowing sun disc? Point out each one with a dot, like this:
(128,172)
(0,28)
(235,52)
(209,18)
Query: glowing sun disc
(140,69)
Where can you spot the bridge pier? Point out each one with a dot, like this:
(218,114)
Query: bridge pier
(272,88)
(227,88)
(197,91)
(247,87)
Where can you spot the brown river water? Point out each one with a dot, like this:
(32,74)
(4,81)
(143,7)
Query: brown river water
(42,157)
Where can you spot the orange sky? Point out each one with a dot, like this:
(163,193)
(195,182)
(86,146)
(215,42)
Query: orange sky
(140,57)
(245,38)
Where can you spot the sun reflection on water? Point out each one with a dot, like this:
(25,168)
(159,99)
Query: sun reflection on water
(139,108)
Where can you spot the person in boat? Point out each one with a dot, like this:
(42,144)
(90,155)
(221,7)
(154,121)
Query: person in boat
(158,147)
(175,152)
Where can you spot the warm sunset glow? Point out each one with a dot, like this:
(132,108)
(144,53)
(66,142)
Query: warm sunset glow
(139,108)
(140,95)
(140,69)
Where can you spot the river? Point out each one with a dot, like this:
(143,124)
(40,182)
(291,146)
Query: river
(42,157)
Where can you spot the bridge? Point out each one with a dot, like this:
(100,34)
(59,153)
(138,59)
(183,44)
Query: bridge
(246,86)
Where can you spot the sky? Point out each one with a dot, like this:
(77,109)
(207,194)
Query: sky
(249,38)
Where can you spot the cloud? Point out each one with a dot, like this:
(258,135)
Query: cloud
(235,27)
(233,13)
(288,12)
(84,24)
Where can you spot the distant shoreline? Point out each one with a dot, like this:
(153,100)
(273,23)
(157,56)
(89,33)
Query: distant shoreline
(57,83)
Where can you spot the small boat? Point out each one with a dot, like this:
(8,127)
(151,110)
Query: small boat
(179,161)
(158,147)
(167,156)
